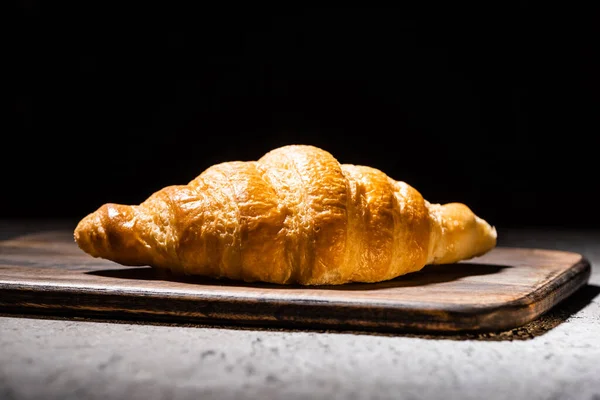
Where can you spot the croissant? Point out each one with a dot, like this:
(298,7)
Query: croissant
(295,216)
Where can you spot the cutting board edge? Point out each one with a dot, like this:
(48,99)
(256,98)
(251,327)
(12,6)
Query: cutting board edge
(541,300)
(300,314)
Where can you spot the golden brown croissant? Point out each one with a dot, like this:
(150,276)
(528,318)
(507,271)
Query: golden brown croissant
(294,216)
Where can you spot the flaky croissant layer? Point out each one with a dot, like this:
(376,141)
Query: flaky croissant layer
(294,216)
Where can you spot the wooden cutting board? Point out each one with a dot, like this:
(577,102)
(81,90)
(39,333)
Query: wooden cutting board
(47,273)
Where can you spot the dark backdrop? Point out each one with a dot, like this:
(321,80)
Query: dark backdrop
(494,108)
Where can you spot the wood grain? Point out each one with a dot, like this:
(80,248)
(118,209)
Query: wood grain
(508,287)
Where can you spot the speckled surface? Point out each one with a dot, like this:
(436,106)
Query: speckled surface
(559,358)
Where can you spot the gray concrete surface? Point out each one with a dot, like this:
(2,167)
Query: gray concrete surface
(62,359)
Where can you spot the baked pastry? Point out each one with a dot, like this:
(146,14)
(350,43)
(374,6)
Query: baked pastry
(294,216)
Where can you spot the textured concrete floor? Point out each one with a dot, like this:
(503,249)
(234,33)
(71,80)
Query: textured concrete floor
(61,359)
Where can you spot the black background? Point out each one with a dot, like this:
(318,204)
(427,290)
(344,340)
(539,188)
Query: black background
(494,108)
